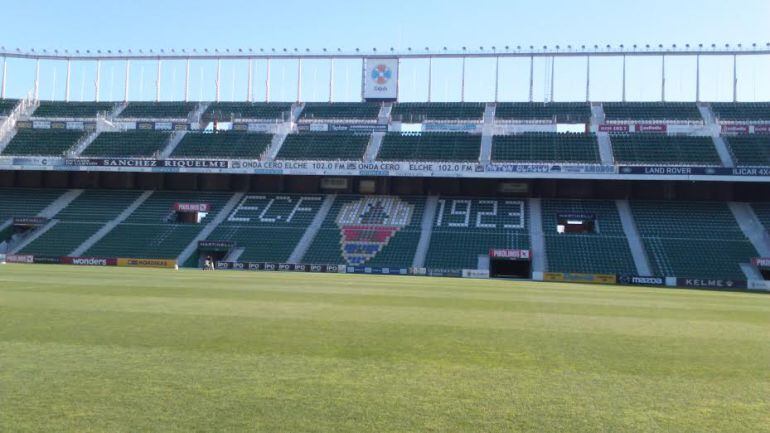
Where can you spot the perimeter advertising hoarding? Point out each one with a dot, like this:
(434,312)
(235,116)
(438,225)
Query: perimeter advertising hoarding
(580,278)
(146,263)
(380,79)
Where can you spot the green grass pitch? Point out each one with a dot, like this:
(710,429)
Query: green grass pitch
(127,350)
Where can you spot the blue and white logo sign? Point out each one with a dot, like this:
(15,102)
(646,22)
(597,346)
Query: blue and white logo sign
(381,78)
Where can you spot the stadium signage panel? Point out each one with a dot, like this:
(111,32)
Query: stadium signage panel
(759,285)
(380,79)
(48,260)
(575,216)
(140,163)
(215,245)
(449,127)
(281,267)
(476,273)
(30,221)
(608,127)
(19,258)
(762,129)
(735,129)
(88,261)
(509,254)
(660,128)
(708,283)
(192,207)
(579,278)
(667,170)
(144,263)
(761,262)
(641,281)
(376,270)
(455,273)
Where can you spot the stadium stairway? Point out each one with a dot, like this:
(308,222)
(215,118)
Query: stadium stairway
(275,145)
(597,114)
(312,230)
(751,227)
(235,254)
(173,142)
(429,215)
(49,212)
(635,244)
(84,142)
(375,142)
(487,133)
(719,143)
(195,116)
(96,237)
(536,236)
(296,111)
(206,231)
(384,116)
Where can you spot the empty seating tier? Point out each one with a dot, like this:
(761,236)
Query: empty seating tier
(224,111)
(747,111)
(664,149)
(268,226)
(158,110)
(556,112)
(409,112)
(369,231)
(464,229)
(545,147)
(430,147)
(134,143)
(228,144)
(42,142)
(72,109)
(692,239)
(750,150)
(604,251)
(22,202)
(324,145)
(762,210)
(647,111)
(7,105)
(340,110)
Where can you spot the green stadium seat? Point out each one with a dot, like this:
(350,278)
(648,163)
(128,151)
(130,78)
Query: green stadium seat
(226,144)
(43,142)
(158,110)
(364,111)
(134,143)
(652,111)
(419,112)
(444,146)
(664,149)
(24,202)
(742,111)
(551,112)
(227,111)
(74,110)
(546,147)
(750,150)
(7,105)
(324,146)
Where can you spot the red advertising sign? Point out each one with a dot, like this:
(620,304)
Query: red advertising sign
(762,129)
(89,261)
(735,129)
(192,207)
(660,128)
(760,262)
(16,258)
(614,128)
(509,254)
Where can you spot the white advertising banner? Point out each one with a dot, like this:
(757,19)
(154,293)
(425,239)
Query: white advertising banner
(381,78)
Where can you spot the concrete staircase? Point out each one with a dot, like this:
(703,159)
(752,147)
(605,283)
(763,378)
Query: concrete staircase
(117,110)
(487,132)
(102,232)
(597,114)
(719,143)
(536,236)
(296,111)
(426,230)
(195,116)
(203,234)
(605,148)
(60,203)
(84,142)
(635,243)
(173,142)
(275,146)
(373,148)
(235,255)
(751,227)
(312,230)
(40,231)
(384,116)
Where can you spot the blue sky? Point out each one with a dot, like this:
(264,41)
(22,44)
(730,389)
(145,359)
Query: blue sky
(344,24)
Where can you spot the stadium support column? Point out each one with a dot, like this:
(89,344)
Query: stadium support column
(125,85)
(187,81)
(462,83)
(98,80)
(5,73)
(531,78)
(697,78)
(553,73)
(331,80)
(157,83)
(497,78)
(219,74)
(735,78)
(624,78)
(67,82)
(248,84)
(588,78)
(663,80)
(37,79)
(430,78)
(267,82)
(299,80)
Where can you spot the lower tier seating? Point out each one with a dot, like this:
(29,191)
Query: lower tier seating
(369,231)
(692,239)
(42,142)
(664,149)
(324,145)
(230,144)
(135,144)
(762,210)
(430,147)
(25,202)
(464,229)
(750,150)
(61,239)
(546,147)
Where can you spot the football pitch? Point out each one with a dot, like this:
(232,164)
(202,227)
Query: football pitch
(127,350)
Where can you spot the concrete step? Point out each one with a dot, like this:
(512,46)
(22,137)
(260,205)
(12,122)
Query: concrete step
(635,244)
(426,231)
(312,230)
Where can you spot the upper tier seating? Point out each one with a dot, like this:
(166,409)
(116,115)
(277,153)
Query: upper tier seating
(558,112)
(268,226)
(72,109)
(545,147)
(42,142)
(225,111)
(418,112)
(23,202)
(324,145)
(466,228)
(369,231)
(340,110)
(133,143)
(746,111)
(83,217)
(225,144)
(692,239)
(158,110)
(7,105)
(648,111)
(664,149)
(605,251)
(148,233)
(443,146)
(750,150)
